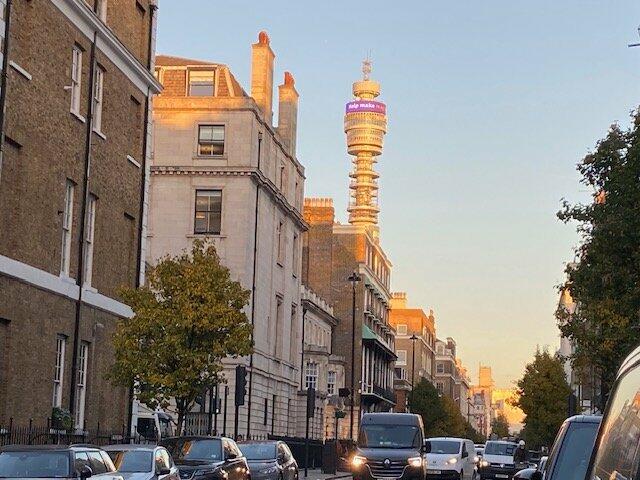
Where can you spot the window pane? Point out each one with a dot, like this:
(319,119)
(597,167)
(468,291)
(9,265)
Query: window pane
(205,132)
(211,140)
(208,214)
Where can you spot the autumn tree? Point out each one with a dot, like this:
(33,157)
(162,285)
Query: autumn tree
(186,319)
(500,426)
(543,395)
(605,280)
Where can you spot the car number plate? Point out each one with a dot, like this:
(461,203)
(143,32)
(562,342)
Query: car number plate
(434,472)
(501,475)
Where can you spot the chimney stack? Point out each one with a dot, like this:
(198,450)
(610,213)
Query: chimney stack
(262,75)
(288,112)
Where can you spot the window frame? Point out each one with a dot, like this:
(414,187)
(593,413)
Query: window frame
(58,375)
(211,142)
(89,240)
(201,70)
(280,243)
(98,98)
(208,232)
(401,329)
(331,385)
(402,357)
(76,79)
(81,384)
(311,375)
(67,227)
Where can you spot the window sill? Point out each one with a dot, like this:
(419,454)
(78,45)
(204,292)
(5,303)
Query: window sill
(133,161)
(78,116)
(66,278)
(89,288)
(280,264)
(205,235)
(100,134)
(210,157)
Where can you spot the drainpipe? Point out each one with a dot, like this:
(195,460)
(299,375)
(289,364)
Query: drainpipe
(253,286)
(5,78)
(302,385)
(83,222)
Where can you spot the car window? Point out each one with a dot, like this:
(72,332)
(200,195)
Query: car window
(131,461)
(167,458)
(182,449)
(96,463)
(617,455)
(81,460)
(575,451)
(161,460)
(444,446)
(107,461)
(287,452)
(228,449)
(34,464)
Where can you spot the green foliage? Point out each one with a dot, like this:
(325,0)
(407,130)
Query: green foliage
(500,426)
(186,320)
(61,419)
(440,415)
(543,396)
(605,283)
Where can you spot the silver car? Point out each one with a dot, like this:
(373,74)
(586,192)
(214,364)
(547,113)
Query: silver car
(142,462)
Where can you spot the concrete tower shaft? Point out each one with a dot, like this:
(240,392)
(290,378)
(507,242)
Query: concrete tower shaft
(365,123)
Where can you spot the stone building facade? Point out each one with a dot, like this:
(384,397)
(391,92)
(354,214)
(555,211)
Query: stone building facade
(332,253)
(72,182)
(409,322)
(223,172)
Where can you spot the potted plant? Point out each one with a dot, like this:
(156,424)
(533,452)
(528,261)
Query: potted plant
(61,419)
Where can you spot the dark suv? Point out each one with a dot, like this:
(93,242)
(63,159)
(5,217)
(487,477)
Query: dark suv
(56,461)
(390,446)
(207,458)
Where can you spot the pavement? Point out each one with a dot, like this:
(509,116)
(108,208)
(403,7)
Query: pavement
(316,474)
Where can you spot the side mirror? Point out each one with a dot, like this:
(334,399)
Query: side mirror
(537,475)
(465,454)
(85,471)
(231,456)
(163,470)
(426,448)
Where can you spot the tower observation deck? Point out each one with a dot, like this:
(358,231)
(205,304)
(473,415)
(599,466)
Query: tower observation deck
(365,123)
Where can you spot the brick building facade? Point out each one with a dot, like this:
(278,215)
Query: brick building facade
(72,183)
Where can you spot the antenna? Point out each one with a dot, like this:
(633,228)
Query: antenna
(366,67)
(635,44)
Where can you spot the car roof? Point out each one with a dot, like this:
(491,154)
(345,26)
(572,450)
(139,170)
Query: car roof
(455,439)
(258,442)
(391,419)
(629,362)
(35,448)
(131,446)
(195,437)
(584,419)
(502,441)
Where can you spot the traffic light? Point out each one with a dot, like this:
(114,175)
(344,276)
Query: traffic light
(241,384)
(311,402)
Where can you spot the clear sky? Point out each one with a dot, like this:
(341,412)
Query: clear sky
(491,104)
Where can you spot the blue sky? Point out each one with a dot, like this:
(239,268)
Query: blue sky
(491,104)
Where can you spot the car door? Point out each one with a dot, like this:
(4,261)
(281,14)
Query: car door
(471,449)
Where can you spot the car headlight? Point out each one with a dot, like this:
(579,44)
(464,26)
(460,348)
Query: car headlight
(484,463)
(357,461)
(415,461)
(269,470)
(452,461)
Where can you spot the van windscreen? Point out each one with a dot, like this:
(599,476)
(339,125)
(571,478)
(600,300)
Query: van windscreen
(389,436)
(444,446)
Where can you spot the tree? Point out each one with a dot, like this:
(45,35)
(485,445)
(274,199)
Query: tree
(500,426)
(543,395)
(425,401)
(186,320)
(605,281)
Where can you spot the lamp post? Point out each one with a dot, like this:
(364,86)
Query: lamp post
(413,339)
(354,278)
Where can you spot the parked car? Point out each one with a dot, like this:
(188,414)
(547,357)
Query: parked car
(56,461)
(616,454)
(207,458)
(569,456)
(497,461)
(270,460)
(142,462)
(449,457)
(390,446)
(527,473)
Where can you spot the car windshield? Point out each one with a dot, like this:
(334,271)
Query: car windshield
(259,451)
(574,455)
(444,446)
(131,461)
(207,450)
(496,448)
(389,436)
(34,464)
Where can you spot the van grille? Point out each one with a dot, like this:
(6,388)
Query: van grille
(379,470)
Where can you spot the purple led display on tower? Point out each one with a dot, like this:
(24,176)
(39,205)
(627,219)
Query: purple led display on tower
(366,106)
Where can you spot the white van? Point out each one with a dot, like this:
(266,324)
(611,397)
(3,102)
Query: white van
(449,457)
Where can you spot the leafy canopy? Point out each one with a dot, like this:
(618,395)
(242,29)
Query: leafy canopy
(186,320)
(500,426)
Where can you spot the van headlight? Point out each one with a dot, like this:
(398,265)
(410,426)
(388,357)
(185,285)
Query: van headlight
(415,461)
(357,461)
(484,463)
(452,461)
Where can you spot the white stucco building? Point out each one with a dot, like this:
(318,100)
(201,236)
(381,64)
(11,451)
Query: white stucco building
(222,171)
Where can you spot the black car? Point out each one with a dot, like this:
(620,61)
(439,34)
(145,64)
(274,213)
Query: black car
(56,461)
(270,460)
(569,456)
(390,446)
(207,458)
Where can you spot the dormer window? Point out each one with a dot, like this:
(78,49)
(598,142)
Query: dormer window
(201,83)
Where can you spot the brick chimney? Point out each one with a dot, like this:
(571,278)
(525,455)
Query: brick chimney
(262,75)
(288,112)
(398,300)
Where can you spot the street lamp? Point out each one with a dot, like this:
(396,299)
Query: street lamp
(354,278)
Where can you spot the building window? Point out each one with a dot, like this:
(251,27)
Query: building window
(282,182)
(293,332)
(58,375)
(402,330)
(439,367)
(81,386)
(277,333)
(208,215)
(311,375)
(201,83)
(440,387)
(67,223)
(296,255)
(98,99)
(402,357)
(210,140)
(331,382)
(76,79)
(266,411)
(89,240)
(280,243)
